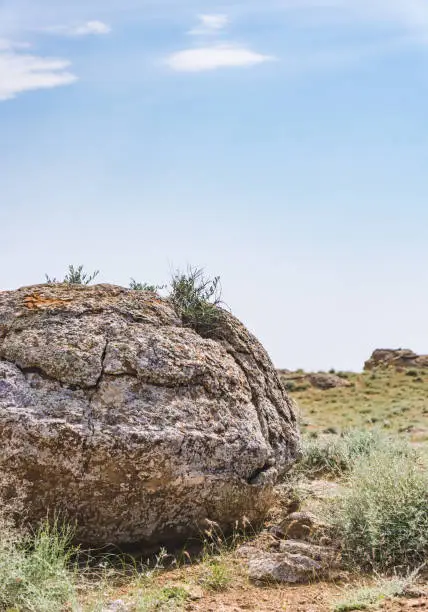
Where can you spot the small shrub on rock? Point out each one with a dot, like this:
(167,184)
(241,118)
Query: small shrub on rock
(196,300)
(136,286)
(75,276)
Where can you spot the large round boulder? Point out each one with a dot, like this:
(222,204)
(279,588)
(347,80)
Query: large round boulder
(133,426)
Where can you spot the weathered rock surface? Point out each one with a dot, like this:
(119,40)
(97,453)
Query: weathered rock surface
(130,424)
(398,358)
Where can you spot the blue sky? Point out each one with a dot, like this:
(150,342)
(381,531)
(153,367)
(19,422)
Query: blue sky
(281,144)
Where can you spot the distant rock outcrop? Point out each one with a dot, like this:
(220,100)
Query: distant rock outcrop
(398,358)
(319,380)
(133,426)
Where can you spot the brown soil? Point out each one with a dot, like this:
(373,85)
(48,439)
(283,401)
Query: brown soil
(312,598)
(298,599)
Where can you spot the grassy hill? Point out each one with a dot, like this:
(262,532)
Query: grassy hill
(395,401)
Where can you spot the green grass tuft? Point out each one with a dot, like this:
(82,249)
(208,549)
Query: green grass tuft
(216,574)
(162,598)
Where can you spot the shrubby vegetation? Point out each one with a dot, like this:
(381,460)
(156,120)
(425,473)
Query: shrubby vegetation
(136,286)
(195,297)
(381,518)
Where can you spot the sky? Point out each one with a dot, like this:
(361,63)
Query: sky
(280,144)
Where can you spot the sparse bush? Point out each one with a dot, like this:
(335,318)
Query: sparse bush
(35,573)
(336,455)
(382,519)
(74,276)
(196,300)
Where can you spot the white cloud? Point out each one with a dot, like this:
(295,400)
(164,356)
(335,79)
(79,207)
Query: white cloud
(21,72)
(215,54)
(214,22)
(90,28)
(210,24)
(211,58)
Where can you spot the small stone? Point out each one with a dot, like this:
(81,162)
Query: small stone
(283,567)
(300,525)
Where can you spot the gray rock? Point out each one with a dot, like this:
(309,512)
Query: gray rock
(324,381)
(280,567)
(318,380)
(131,425)
(294,562)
